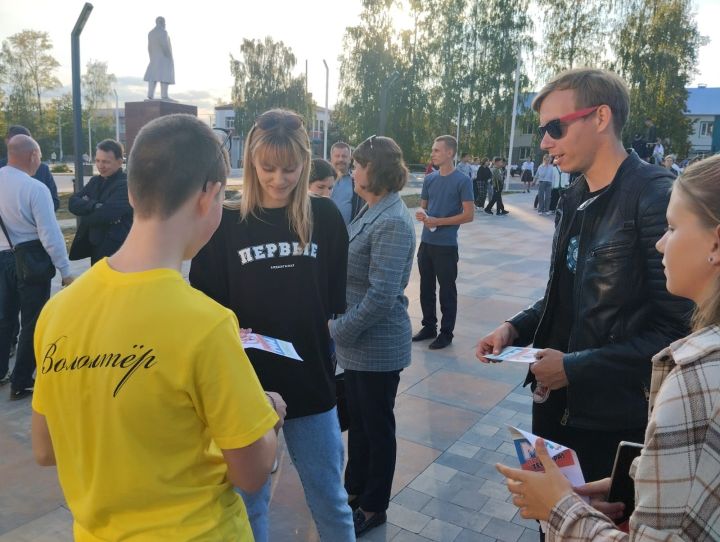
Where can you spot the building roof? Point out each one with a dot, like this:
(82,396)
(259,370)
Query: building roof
(224,107)
(703,101)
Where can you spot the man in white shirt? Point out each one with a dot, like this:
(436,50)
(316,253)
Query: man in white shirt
(27,213)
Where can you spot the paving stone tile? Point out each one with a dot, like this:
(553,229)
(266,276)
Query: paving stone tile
(457,515)
(431,423)
(503,530)
(441,531)
(494,490)
(440,471)
(382,533)
(435,488)
(459,463)
(484,429)
(412,459)
(530,535)
(405,536)
(527,523)
(407,519)
(507,448)
(412,499)
(464,450)
(490,457)
(469,498)
(471,536)
(499,509)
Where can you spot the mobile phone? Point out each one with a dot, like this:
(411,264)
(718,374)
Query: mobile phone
(622,487)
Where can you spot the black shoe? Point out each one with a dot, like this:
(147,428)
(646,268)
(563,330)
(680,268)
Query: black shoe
(488,211)
(363,525)
(442,341)
(504,212)
(424,334)
(16,395)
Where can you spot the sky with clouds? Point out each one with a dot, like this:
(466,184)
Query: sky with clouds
(205,33)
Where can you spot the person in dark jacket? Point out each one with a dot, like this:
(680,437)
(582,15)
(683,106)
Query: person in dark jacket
(483,177)
(606,310)
(43,173)
(103,205)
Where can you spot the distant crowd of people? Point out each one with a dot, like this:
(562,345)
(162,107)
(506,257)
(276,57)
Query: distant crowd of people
(163,426)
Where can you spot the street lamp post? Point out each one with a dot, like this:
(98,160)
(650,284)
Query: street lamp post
(117,117)
(77,107)
(60,133)
(327,110)
(512,123)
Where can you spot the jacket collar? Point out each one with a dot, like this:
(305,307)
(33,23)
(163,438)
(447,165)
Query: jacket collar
(368,215)
(691,348)
(628,165)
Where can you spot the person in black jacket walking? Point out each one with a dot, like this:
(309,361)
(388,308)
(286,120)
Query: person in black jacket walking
(104,207)
(606,310)
(481,183)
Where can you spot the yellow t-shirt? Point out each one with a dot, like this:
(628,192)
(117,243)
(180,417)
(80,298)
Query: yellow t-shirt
(142,380)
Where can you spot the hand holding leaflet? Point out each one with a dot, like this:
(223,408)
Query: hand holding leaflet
(515,353)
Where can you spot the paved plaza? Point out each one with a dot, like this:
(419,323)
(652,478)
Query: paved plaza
(452,412)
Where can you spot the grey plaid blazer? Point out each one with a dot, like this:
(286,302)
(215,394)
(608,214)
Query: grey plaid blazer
(374,333)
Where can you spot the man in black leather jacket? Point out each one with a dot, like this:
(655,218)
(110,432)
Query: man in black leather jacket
(606,310)
(104,207)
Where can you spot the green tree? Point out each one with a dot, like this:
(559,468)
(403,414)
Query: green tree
(28,71)
(575,34)
(97,87)
(656,52)
(264,79)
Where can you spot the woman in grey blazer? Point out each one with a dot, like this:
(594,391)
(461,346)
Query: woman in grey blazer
(373,336)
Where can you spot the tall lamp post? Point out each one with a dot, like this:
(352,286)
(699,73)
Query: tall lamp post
(514,117)
(117,117)
(327,111)
(77,106)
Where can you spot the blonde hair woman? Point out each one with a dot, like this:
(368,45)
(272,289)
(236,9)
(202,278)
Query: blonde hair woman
(279,260)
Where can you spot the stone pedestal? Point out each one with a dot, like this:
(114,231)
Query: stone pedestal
(138,114)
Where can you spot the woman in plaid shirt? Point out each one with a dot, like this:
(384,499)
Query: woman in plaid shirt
(677,476)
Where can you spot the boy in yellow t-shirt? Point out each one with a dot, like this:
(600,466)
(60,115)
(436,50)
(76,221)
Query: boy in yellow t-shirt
(144,396)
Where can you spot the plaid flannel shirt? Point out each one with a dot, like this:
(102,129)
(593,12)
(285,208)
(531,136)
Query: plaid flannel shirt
(677,476)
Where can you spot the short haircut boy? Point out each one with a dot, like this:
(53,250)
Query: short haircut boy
(450,142)
(110,145)
(171,158)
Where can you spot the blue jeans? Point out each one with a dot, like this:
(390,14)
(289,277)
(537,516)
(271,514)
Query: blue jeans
(544,194)
(29,299)
(316,450)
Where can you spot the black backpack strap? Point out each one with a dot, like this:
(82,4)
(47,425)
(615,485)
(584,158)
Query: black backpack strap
(7,236)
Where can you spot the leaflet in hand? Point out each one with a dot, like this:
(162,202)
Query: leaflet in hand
(565,458)
(270,344)
(515,353)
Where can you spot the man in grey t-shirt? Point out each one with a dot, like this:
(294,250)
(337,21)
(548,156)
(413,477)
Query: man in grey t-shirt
(446,202)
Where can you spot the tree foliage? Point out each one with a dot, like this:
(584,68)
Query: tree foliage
(28,70)
(264,80)
(575,34)
(656,53)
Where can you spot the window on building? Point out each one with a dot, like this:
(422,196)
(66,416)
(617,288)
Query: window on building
(706,129)
(230,123)
(529,127)
(322,125)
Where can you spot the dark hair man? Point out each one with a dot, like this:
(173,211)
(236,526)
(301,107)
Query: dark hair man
(103,205)
(446,202)
(606,310)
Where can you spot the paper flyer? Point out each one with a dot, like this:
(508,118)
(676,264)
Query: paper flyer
(270,344)
(515,353)
(565,458)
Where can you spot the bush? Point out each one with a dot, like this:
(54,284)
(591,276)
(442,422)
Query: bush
(60,168)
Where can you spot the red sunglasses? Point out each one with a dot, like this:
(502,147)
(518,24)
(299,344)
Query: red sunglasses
(554,128)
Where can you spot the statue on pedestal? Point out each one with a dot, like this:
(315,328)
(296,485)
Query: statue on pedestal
(161,67)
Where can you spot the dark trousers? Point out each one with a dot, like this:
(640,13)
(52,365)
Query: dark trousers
(438,264)
(29,299)
(480,193)
(595,449)
(496,199)
(371,437)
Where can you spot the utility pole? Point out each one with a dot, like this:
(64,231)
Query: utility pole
(60,133)
(117,117)
(327,110)
(77,107)
(512,123)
